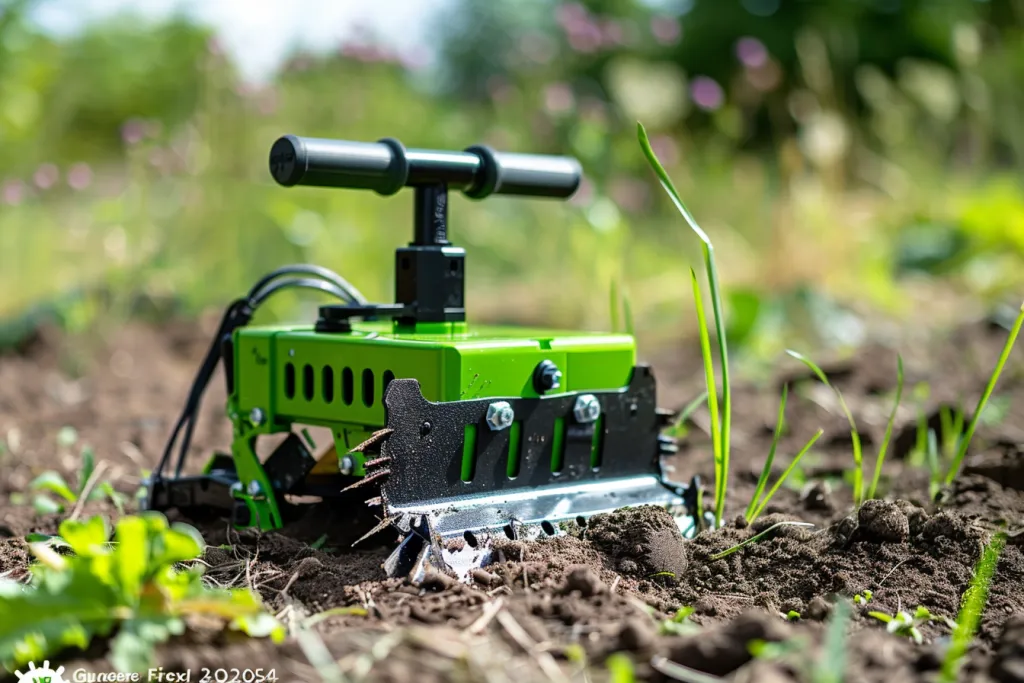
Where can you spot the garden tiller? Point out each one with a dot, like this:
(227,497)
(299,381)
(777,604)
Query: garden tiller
(451,433)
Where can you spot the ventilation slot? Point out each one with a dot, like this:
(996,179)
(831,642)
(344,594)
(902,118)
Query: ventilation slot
(558,445)
(385,381)
(289,381)
(367,387)
(347,386)
(512,468)
(327,381)
(308,382)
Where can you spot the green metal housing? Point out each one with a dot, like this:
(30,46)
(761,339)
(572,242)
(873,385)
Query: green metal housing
(290,375)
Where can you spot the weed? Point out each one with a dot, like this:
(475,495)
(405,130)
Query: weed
(763,479)
(796,460)
(620,668)
(54,482)
(934,466)
(954,469)
(756,538)
(127,589)
(888,429)
(858,474)
(721,438)
(792,615)
(863,598)
(972,605)
(679,624)
(905,624)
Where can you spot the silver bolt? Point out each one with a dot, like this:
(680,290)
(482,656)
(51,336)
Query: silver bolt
(256,416)
(237,487)
(500,415)
(291,353)
(587,408)
(255,488)
(348,465)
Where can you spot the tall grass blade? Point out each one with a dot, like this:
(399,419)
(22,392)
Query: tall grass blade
(966,440)
(709,379)
(716,302)
(858,475)
(888,429)
(971,607)
(766,470)
(934,471)
(831,665)
(782,479)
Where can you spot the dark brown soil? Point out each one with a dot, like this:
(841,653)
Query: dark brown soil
(559,608)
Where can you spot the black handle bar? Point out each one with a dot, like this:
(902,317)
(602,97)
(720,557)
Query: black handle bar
(386,166)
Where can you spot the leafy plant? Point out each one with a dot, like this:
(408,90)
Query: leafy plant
(53,482)
(863,598)
(965,442)
(719,432)
(127,589)
(888,429)
(905,624)
(679,624)
(858,473)
(971,607)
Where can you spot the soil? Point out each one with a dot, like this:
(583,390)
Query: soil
(573,607)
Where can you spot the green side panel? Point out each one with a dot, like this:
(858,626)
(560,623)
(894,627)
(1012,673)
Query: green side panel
(253,365)
(493,370)
(597,363)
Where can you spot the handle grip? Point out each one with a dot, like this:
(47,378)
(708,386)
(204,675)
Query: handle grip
(386,166)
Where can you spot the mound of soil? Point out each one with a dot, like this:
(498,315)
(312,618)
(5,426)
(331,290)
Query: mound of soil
(626,584)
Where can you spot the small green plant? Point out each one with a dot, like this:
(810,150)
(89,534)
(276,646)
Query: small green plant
(127,589)
(679,624)
(828,667)
(965,442)
(53,482)
(863,598)
(971,606)
(760,505)
(679,429)
(792,615)
(905,624)
(720,433)
(888,429)
(858,473)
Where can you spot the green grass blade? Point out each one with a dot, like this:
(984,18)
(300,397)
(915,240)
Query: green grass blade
(830,667)
(755,539)
(966,441)
(688,410)
(792,465)
(972,605)
(709,379)
(858,475)
(716,304)
(766,470)
(888,429)
(932,458)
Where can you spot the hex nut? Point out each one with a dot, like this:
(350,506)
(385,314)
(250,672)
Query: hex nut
(587,409)
(257,416)
(500,415)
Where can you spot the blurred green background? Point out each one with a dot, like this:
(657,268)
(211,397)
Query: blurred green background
(858,163)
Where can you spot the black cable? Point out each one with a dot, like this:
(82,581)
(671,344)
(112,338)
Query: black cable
(238,314)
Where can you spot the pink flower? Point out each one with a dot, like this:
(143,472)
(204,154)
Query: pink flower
(706,93)
(13,192)
(751,52)
(46,176)
(133,131)
(666,30)
(79,176)
(558,98)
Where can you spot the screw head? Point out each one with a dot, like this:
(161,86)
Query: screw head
(547,377)
(500,415)
(587,408)
(255,488)
(257,416)
(347,465)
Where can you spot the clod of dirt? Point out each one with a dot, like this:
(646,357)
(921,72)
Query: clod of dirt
(818,609)
(584,580)
(883,520)
(637,635)
(723,649)
(484,578)
(945,525)
(843,530)
(643,541)
(1008,663)
(916,516)
(436,581)
(817,496)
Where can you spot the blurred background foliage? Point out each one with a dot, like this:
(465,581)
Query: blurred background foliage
(858,163)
